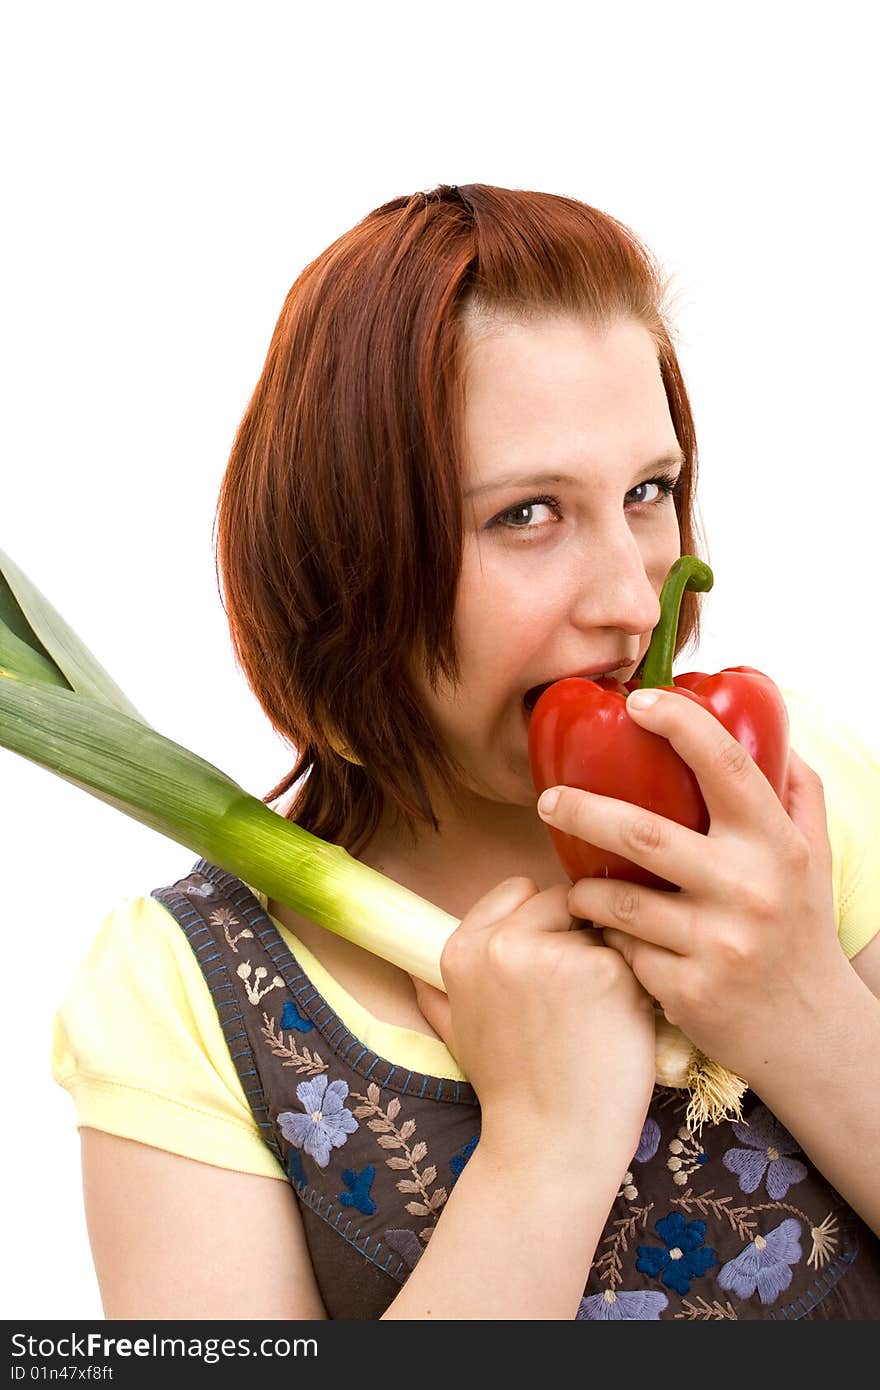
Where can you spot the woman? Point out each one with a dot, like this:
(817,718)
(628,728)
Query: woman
(465,472)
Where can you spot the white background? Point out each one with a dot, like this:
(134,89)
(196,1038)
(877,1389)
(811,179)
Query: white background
(168,171)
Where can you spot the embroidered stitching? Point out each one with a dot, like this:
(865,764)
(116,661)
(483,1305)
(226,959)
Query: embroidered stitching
(306,1062)
(225,918)
(388,1136)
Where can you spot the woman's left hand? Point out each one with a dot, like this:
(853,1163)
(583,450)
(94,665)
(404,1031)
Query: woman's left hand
(747,951)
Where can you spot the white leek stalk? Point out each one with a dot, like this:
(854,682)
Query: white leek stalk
(60,709)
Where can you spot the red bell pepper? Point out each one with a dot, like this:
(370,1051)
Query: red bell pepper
(580,735)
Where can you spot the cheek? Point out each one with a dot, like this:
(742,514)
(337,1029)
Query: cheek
(660,547)
(498,596)
(501,621)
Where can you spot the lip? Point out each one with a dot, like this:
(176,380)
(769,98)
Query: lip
(616,670)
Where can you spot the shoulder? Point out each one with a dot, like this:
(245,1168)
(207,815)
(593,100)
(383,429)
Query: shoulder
(138,1045)
(850,771)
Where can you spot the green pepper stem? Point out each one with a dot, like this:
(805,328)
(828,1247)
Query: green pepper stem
(687,573)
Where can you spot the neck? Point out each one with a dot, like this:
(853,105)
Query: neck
(476,847)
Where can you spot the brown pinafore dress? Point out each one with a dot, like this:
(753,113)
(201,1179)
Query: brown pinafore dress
(734,1223)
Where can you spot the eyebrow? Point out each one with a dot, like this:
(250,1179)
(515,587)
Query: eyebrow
(541,479)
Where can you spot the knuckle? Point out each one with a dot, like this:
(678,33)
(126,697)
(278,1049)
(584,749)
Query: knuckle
(505,953)
(759,901)
(625,903)
(607,968)
(732,760)
(798,854)
(732,949)
(453,955)
(643,833)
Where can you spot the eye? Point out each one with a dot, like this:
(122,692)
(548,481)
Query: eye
(668,484)
(521,516)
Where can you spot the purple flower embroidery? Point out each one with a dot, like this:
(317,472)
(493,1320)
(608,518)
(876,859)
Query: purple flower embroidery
(768,1144)
(765,1264)
(644,1305)
(326,1121)
(648,1142)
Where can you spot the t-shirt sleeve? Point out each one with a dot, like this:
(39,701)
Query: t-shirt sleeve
(139,1047)
(850,772)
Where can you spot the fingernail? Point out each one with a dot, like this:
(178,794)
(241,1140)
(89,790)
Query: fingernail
(547,803)
(643,699)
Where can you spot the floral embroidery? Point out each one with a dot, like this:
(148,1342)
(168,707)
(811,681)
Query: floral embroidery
(685,1257)
(769,1145)
(765,1264)
(707,1312)
(359,1185)
(649,1141)
(309,1062)
(628,1189)
(458,1161)
(609,1265)
(740,1219)
(292,1018)
(254,993)
(644,1305)
(204,889)
(326,1123)
(295,1170)
(390,1136)
(824,1239)
(686,1156)
(224,917)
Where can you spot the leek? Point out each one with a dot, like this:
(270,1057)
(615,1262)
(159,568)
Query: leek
(60,709)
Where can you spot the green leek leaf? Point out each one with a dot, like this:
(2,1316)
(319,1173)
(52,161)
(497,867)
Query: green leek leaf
(173,791)
(18,654)
(36,622)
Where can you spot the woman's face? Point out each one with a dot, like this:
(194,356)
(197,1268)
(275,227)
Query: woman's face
(567,536)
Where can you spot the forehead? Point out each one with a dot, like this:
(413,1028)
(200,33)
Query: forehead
(564,383)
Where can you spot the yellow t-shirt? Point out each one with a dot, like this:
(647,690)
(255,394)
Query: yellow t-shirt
(138,1045)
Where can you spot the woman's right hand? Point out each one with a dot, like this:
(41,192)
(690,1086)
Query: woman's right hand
(550,1026)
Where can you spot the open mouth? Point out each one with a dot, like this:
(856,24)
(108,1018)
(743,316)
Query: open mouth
(531,697)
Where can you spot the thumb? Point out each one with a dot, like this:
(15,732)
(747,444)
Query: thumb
(434,1004)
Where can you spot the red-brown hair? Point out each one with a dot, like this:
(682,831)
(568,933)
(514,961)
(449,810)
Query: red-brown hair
(339,520)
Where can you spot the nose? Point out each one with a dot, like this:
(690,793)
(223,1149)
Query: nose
(616,589)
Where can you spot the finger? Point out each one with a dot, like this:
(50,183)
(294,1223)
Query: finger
(435,1006)
(654,968)
(498,903)
(549,911)
(671,851)
(805,803)
(734,788)
(646,913)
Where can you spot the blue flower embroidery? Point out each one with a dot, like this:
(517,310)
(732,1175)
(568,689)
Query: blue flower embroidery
(644,1305)
(359,1185)
(292,1018)
(458,1161)
(765,1264)
(326,1123)
(685,1256)
(295,1170)
(768,1144)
